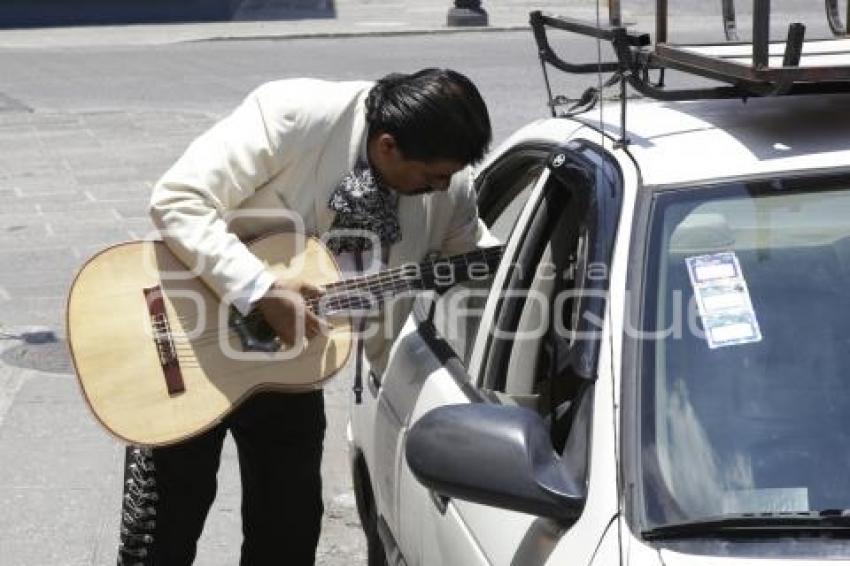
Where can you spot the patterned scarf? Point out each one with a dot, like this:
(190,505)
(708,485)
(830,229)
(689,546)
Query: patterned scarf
(362,203)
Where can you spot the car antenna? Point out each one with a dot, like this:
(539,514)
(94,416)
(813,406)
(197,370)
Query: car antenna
(615,19)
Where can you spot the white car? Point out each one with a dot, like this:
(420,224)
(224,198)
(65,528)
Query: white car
(659,370)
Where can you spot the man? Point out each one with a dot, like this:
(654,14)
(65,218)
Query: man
(390,158)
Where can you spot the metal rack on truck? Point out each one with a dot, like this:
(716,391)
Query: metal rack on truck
(760,67)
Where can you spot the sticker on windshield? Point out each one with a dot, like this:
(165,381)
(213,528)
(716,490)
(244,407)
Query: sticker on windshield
(723,300)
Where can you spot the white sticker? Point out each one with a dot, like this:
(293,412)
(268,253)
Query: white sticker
(733,332)
(714,271)
(722,296)
(723,300)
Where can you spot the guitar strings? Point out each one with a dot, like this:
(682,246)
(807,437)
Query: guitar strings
(376,293)
(340,298)
(425,266)
(211,336)
(359,296)
(379,283)
(351,293)
(337,304)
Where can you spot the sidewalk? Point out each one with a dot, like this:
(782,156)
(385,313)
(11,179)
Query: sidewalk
(396,17)
(353,18)
(71,184)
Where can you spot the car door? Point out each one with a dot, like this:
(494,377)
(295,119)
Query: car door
(504,188)
(517,357)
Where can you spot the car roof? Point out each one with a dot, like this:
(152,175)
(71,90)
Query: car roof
(676,143)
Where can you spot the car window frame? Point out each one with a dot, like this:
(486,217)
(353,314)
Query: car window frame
(493,199)
(603,188)
(600,198)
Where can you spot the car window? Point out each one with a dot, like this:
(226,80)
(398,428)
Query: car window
(525,366)
(542,352)
(456,314)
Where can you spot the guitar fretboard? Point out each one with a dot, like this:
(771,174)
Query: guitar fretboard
(366,291)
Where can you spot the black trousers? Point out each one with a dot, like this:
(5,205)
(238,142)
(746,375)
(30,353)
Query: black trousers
(168,491)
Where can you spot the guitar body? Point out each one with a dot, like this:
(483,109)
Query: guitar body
(124,352)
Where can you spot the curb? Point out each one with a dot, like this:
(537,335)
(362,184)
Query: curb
(368,33)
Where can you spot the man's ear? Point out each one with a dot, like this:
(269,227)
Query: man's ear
(387,145)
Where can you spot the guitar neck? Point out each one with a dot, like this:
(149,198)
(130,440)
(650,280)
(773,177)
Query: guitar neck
(366,291)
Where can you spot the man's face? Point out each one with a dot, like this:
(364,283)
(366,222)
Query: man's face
(412,177)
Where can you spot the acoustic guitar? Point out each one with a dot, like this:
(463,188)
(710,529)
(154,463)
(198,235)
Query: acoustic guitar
(160,359)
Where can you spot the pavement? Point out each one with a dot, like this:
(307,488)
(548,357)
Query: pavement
(395,17)
(74,183)
(352,18)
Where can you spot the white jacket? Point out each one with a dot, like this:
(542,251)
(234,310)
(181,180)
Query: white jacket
(283,151)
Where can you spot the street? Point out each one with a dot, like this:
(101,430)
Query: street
(84,133)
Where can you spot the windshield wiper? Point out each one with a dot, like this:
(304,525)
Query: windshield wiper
(832,522)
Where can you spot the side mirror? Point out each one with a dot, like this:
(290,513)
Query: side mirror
(494,455)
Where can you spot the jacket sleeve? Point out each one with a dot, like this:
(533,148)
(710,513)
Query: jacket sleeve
(219,170)
(465,230)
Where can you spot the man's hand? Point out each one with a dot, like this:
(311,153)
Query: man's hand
(283,307)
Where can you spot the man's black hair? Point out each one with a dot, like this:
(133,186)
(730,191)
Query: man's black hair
(432,114)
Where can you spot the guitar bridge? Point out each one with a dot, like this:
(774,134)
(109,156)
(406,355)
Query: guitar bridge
(164,341)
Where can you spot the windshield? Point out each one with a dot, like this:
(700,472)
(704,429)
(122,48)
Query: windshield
(744,384)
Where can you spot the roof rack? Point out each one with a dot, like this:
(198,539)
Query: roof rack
(749,69)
